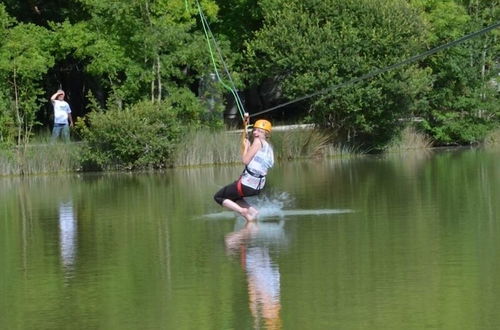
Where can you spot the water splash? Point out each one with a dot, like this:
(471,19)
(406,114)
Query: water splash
(276,206)
(273,205)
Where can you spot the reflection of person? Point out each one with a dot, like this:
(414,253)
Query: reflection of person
(62,116)
(258,157)
(262,275)
(67,233)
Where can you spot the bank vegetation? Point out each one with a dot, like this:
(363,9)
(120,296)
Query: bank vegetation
(145,92)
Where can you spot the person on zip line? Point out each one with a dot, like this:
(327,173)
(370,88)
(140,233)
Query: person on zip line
(258,158)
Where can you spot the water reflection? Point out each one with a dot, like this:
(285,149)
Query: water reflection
(67,234)
(251,243)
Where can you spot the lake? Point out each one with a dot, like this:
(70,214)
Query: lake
(375,242)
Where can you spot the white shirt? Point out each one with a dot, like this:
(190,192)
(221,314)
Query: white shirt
(259,165)
(61,111)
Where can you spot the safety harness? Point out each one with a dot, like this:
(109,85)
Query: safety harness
(239,186)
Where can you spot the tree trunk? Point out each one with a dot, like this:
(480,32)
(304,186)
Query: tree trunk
(158,76)
(17,107)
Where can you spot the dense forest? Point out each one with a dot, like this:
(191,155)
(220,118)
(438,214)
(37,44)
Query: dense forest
(129,62)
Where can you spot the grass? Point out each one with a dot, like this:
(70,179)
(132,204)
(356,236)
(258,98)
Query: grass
(492,140)
(410,139)
(222,147)
(202,147)
(40,158)
(307,143)
(206,147)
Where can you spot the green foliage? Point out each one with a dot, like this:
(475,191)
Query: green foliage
(5,20)
(7,125)
(127,51)
(309,45)
(239,19)
(141,136)
(138,48)
(25,52)
(190,111)
(25,56)
(457,128)
(463,103)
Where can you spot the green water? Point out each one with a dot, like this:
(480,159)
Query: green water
(402,242)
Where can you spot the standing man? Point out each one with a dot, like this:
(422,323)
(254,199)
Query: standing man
(62,116)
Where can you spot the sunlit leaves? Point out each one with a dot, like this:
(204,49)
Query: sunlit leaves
(312,45)
(139,49)
(26,50)
(25,57)
(463,103)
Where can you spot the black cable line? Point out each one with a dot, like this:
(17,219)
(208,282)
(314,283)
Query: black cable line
(379,71)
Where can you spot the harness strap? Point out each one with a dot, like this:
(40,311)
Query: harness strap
(239,187)
(255,175)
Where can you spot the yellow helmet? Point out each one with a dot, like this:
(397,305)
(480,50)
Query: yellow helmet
(263,124)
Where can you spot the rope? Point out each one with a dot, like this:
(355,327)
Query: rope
(246,120)
(379,71)
(221,57)
(209,35)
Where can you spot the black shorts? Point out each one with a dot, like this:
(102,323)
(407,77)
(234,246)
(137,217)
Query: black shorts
(231,192)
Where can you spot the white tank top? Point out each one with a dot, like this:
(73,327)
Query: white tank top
(254,175)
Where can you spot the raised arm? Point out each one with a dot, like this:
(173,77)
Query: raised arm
(250,150)
(54,96)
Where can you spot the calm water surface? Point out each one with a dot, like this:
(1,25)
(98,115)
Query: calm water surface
(403,242)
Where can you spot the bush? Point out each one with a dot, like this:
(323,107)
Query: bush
(453,128)
(142,136)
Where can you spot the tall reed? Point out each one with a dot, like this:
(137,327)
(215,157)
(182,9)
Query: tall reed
(305,143)
(206,147)
(202,147)
(409,139)
(492,140)
(40,159)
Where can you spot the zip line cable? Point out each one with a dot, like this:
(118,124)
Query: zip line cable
(209,35)
(379,71)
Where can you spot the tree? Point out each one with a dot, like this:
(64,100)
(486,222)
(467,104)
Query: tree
(238,20)
(463,103)
(6,120)
(138,49)
(309,45)
(25,56)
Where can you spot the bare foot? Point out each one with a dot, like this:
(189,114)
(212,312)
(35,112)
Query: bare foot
(247,214)
(254,212)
